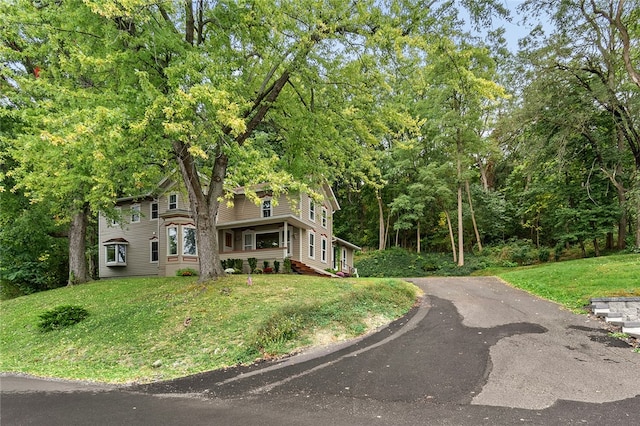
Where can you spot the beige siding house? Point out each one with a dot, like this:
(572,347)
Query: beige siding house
(155,234)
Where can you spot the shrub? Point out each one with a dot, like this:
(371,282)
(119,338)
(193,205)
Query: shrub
(544,254)
(253,262)
(265,264)
(61,317)
(186,272)
(287,265)
(276,266)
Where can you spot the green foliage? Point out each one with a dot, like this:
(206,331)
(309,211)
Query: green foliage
(253,262)
(61,317)
(276,266)
(186,272)
(32,257)
(287,265)
(397,262)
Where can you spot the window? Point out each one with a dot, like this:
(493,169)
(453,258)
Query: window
(228,239)
(173,201)
(247,240)
(266,208)
(154,251)
(172,241)
(267,240)
(118,215)
(312,245)
(189,246)
(154,210)
(344,259)
(135,213)
(323,249)
(312,210)
(324,217)
(116,254)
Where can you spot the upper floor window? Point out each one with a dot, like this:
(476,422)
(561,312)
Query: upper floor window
(135,213)
(266,208)
(173,201)
(312,210)
(154,210)
(118,214)
(324,217)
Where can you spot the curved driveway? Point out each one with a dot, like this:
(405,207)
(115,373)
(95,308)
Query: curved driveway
(476,351)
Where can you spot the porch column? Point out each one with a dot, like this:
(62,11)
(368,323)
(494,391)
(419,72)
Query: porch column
(286,240)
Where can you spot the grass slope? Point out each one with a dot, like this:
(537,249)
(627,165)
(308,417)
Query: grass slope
(573,283)
(146,329)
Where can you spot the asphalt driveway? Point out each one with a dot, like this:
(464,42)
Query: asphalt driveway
(475,352)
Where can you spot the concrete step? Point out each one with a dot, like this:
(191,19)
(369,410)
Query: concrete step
(615,318)
(632,328)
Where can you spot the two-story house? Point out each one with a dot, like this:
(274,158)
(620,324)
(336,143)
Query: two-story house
(156,235)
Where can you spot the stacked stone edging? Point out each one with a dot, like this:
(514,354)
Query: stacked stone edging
(620,311)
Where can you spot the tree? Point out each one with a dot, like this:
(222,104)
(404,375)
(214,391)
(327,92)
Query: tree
(587,60)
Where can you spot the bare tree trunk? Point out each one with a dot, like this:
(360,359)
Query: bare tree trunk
(451,237)
(386,232)
(473,217)
(78,272)
(418,236)
(381,229)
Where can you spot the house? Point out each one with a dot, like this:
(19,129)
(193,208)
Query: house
(155,234)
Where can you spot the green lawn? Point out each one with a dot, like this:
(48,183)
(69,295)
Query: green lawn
(573,283)
(137,329)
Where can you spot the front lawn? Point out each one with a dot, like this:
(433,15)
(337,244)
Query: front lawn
(145,329)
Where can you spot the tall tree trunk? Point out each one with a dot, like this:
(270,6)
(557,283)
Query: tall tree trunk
(451,237)
(460,228)
(204,208)
(418,236)
(381,233)
(473,217)
(78,272)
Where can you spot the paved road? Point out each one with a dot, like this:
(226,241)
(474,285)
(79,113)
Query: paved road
(475,352)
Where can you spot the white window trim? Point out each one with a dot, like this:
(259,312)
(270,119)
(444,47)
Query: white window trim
(118,215)
(155,240)
(169,240)
(253,241)
(184,234)
(323,249)
(312,210)
(155,202)
(311,240)
(169,201)
(116,262)
(135,213)
(343,260)
(262,209)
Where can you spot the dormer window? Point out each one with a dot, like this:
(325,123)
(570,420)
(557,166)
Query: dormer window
(266,208)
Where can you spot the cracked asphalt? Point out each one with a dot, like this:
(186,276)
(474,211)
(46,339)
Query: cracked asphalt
(475,351)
